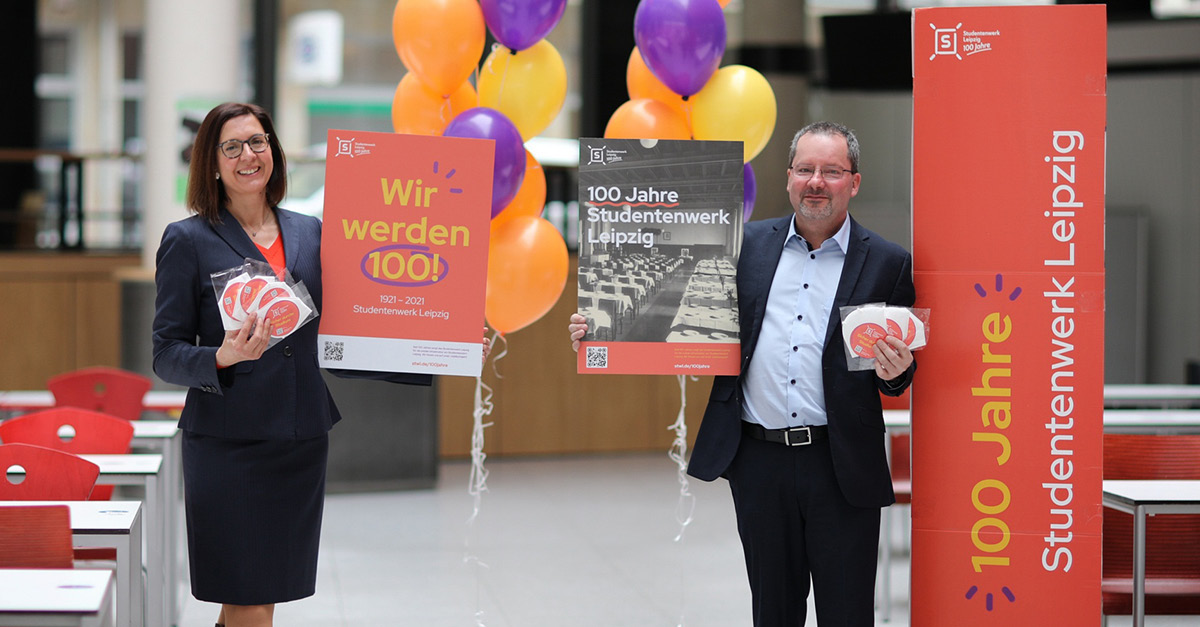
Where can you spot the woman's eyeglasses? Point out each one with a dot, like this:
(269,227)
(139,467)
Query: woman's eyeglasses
(232,148)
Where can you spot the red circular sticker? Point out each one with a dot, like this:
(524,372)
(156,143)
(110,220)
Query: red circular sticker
(284,316)
(271,294)
(863,338)
(229,298)
(907,335)
(250,290)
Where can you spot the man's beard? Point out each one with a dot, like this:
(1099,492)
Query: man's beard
(816,213)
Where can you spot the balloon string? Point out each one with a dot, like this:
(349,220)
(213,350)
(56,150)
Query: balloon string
(477,485)
(477,480)
(446,111)
(503,77)
(478,98)
(496,357)
(686,505)
(687,115)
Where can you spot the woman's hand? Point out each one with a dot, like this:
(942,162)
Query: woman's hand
(246,343)
(578,329)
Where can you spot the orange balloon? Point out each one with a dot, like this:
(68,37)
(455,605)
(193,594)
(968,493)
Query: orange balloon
(440,40)
(642,83)
(723,3)
(418,111)
(646,119)
(527,271)
(531,196)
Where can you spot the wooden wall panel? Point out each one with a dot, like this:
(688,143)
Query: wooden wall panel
(98,322)
(58,312)
(37,331)
(543,407)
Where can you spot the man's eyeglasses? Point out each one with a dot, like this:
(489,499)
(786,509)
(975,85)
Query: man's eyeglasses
(805,172)
(232,148)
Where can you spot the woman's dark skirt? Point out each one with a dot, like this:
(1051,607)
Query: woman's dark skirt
(253,517)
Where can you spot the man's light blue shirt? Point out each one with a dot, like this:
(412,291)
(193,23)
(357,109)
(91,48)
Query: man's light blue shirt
(784,386)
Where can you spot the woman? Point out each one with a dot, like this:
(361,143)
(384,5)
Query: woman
(255,422)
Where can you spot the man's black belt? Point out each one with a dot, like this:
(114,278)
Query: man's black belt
(794,436)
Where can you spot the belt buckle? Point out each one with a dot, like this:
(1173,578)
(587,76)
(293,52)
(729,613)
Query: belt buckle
(787,436)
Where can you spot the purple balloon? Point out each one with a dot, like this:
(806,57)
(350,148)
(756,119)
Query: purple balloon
(508,172)
(681,41)
(518,24)
(749,191)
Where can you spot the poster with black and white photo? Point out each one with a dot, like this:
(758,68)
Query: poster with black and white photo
(660,230)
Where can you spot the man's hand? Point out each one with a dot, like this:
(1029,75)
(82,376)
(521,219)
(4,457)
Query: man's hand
(578,329)
(892,358)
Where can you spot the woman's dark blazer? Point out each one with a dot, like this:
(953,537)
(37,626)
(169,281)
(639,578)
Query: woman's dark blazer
(279,396)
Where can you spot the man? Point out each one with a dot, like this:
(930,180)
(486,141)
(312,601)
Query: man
(799,437)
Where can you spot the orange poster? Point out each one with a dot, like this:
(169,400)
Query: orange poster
(1008,254)
(404,252)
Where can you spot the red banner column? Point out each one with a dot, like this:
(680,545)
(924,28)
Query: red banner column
(1008,245)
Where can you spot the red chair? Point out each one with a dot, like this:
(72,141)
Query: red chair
(90,432)
(49,475)
(1172,542)
(110,390)
(35,536)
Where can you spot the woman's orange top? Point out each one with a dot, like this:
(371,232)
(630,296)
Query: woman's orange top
(274,256)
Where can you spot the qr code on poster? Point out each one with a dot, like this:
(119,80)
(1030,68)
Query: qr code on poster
(334,351)
(597,357)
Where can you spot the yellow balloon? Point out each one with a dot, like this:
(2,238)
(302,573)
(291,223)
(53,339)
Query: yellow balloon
(736,104)
(418,111)
(529,87)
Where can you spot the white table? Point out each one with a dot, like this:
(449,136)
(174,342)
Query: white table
(116,525)
(142,469)
(1142,498)
(1150,421)
(60,597)
(156,436)
(164,438)
(1120,395)
(20,401)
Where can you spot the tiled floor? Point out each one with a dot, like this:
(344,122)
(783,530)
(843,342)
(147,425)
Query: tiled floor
(580,541)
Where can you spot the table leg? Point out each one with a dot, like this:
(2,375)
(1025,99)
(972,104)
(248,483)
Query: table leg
(1139,566)
(171,493)
(156,603)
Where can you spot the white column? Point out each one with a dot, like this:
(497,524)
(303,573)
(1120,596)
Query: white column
(194,52)
(97,111)
(777,23)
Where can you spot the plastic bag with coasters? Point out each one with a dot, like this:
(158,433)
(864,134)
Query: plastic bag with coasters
(864,325)
(253,286)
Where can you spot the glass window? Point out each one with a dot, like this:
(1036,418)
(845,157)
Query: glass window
(55,54)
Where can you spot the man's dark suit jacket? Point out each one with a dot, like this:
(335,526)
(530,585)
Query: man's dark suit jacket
(281,395)
(875,271)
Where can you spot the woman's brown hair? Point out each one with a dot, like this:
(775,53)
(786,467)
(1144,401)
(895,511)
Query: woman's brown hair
(205,192)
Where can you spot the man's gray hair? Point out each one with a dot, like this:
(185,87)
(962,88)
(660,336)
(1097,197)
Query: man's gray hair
(829,128)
